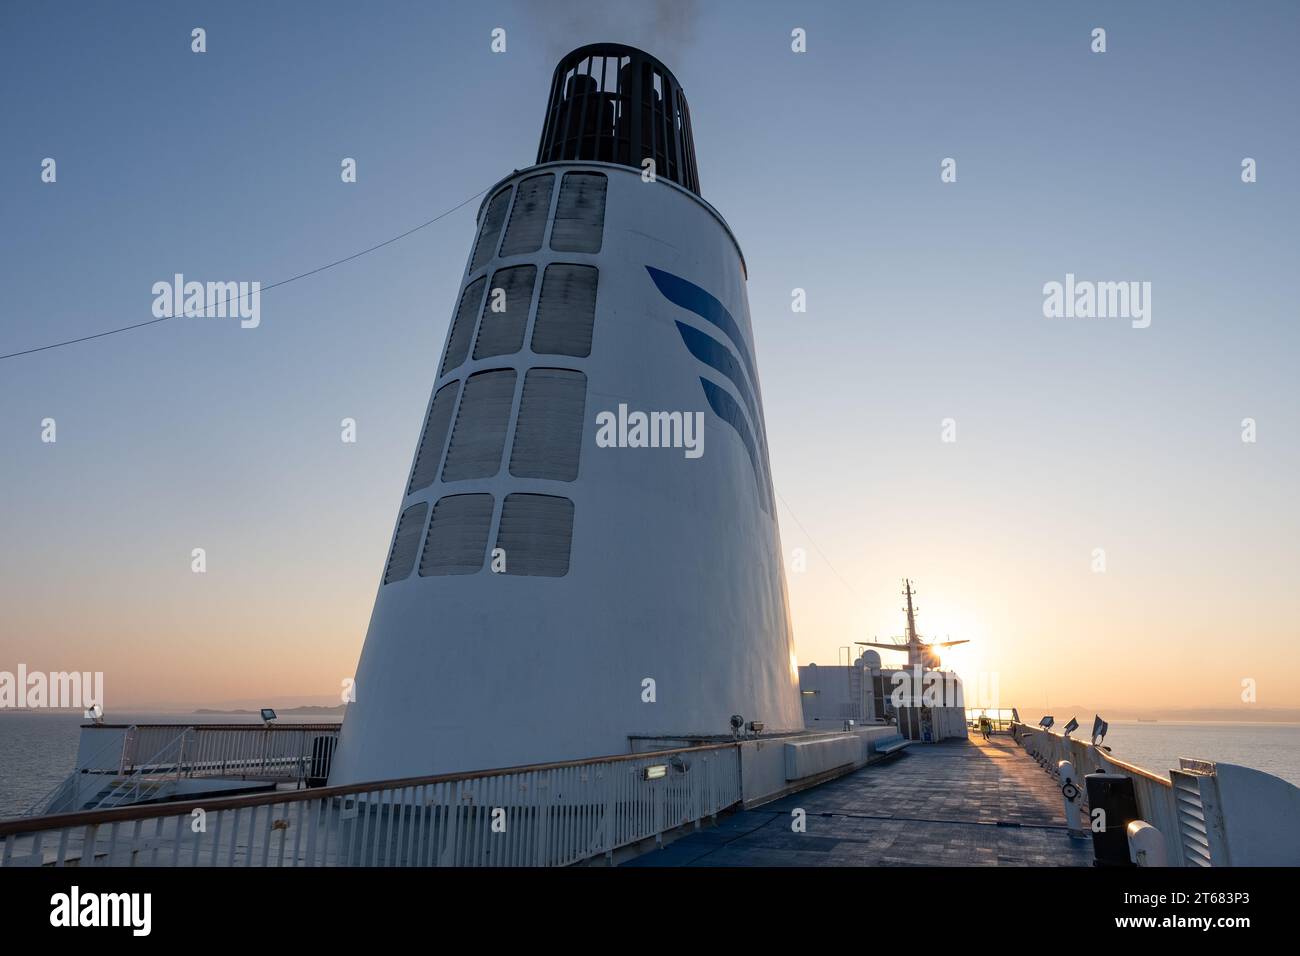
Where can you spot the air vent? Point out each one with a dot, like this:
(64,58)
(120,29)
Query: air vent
(405,543)
(457,535)
(462,327)
(528,216)
(433,438)
(486,246)
(548,436)
(502,333)
(566,310)
(1193,829)
(481,423)
(580,213)
(536,533)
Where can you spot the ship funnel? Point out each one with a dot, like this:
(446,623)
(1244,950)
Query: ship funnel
(585,558)
(616,104)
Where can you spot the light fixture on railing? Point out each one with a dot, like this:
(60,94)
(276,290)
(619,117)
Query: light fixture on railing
(1046,723)
(1071,727)
(268,715)
(95,714)
(1099,728)
(656,772)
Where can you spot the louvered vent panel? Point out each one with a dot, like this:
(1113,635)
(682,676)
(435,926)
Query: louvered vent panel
(405,543)
(433,438)
(566,310)
(462,327)
(1192,830)
(536,533)
(486,246)
(480,432)
(528,215)
(458,534)
(548,436)
(502,333)
(580,213)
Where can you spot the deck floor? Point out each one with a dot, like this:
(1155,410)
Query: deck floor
(956,803)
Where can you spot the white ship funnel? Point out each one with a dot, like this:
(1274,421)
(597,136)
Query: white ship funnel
(586,547)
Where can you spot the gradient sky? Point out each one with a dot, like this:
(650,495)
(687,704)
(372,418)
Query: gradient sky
(925,302)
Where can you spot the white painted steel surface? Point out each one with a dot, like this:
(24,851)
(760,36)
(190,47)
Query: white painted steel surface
(675,572)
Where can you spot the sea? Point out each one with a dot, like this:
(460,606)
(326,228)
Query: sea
(37,750)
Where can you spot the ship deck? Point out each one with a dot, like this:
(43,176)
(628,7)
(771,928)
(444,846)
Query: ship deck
(955,803)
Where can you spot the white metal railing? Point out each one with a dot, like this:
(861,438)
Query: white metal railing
(1155,795)
(138,756)
(544,815)
(278,750)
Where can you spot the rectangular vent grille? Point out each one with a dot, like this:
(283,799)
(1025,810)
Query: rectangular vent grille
(462,327)
(486,246)
(566,310)
(405,543)
(536,533)
(434,438)
(548,436)
(580,213)
(502,333)
(528,216)
(480,432)
(457,535)
(1192,829)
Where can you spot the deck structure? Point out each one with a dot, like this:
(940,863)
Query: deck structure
(955,803)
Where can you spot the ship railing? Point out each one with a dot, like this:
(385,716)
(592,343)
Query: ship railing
(276,751)
(1156,799)
(552,814)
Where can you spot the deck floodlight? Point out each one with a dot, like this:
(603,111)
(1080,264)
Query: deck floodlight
(268,715)
(1099,728)
(756,726)
(1046,723)
(737,724)
(95,714)
(656,772)
(1071,727)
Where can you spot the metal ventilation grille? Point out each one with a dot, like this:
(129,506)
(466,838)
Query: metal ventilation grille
(528,216)
(566,310)
(1192,828)
(457,535)
(462,327)
(536,533)
(548,435)
(486,246)
(580,213)
(502,333)
(481,423)
(405,543)
(433,438)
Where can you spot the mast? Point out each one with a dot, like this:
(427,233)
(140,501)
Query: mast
(914,655)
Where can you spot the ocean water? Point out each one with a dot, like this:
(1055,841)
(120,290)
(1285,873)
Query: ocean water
(37,750)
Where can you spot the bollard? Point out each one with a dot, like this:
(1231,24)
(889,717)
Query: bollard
(1070,796)
(1146,844)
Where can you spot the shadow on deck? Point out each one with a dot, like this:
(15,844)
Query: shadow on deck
(956,803)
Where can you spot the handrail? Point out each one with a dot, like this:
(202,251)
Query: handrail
(206,726)
(151,810)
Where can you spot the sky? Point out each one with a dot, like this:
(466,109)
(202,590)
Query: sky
(924,303)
